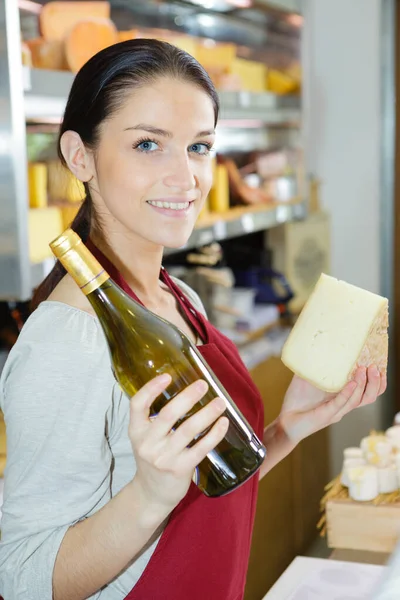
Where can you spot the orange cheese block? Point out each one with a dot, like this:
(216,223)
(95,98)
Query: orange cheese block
(130,34)
(86,38)
(57,18)
(47,54)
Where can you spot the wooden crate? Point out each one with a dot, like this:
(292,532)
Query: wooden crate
(363,525)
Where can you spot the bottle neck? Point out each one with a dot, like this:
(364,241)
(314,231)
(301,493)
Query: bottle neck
(84,268)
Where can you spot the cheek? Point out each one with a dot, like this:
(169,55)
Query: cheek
(125,176)
(205,177)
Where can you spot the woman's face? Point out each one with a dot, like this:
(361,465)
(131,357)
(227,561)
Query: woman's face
(153,163)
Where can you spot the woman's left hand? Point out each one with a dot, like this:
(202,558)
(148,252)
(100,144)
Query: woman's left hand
(306,409)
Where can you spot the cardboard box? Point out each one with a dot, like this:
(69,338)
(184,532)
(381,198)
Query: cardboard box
(302,251)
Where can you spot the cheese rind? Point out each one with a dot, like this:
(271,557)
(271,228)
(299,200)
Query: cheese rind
(340,328)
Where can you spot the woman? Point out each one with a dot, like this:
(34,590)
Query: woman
(99,500)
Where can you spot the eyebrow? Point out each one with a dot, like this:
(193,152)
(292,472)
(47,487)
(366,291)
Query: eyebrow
(163,132)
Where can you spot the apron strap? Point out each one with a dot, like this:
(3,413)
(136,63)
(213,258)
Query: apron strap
(196,320)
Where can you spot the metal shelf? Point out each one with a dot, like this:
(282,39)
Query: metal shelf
(46,92)
(240,221)
(265,108)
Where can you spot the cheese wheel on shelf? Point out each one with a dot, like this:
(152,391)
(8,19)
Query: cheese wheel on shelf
(48,54)
(340,328)
(86,38)
(57,18)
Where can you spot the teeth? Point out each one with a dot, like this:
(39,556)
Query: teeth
(171,205)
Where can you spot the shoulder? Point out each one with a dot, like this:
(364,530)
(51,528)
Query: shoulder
(55,322)
(58,342)
(191,294)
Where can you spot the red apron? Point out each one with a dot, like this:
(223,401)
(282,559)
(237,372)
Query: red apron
(204,550)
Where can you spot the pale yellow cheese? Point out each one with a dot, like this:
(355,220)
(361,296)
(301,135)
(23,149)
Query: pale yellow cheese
(251,73)
(340,328)
(3,460)
(44,225)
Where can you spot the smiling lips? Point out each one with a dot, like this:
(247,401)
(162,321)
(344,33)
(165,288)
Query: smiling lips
(173,208)
(172,205)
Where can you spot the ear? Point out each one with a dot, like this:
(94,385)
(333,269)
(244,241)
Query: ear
(78,159)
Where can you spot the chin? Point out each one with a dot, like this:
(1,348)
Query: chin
(175,242)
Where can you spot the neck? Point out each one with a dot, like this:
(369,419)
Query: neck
(138,261)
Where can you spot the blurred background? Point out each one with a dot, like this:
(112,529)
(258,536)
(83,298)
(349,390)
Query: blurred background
(304,182)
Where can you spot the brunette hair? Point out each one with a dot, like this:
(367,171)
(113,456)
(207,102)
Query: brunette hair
(98,90)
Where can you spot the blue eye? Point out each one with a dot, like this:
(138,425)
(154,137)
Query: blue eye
(200,148)
(146,146)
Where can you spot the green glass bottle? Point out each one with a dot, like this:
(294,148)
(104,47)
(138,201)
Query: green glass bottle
(143,345)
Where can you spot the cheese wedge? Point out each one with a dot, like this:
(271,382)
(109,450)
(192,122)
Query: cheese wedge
(340,328)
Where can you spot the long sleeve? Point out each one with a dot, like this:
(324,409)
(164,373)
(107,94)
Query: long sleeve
(56,393)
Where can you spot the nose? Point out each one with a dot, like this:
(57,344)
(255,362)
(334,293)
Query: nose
(180,174)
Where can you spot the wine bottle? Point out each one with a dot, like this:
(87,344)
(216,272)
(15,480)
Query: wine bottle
(143,345)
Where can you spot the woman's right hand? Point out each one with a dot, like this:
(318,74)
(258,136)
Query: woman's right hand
(165,464)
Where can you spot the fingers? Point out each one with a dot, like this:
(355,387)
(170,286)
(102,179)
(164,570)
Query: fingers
(373,386)
(196,424)
(363,390)
(143,399)
(327,412)
(191,457)
(383,385)
(178,408)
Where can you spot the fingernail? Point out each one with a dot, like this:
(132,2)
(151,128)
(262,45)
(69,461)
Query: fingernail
(201,385)
(220,403)
(163,379)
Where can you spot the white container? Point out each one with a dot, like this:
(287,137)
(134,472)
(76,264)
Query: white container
(353,452)
(368,443)
(382,455)
(363,483)
(347,464)
(387,479)
(393,435)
